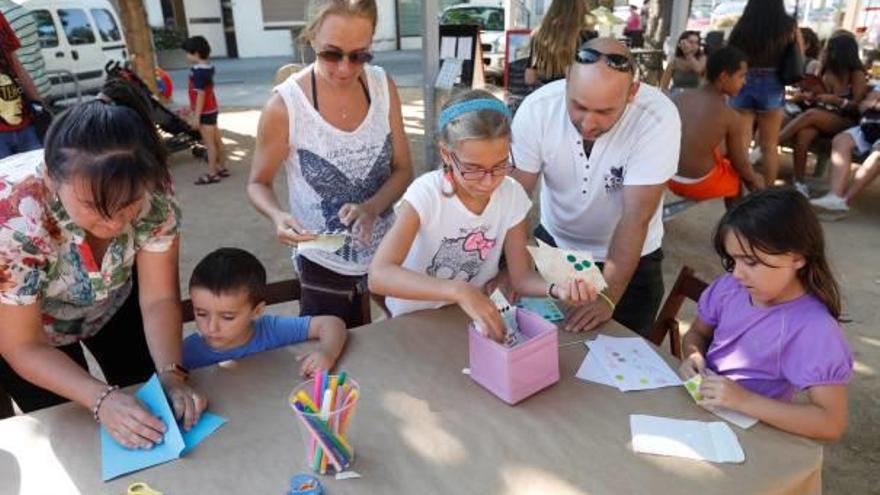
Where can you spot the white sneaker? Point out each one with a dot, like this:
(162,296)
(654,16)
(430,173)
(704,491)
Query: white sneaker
(802,188)
(830,202)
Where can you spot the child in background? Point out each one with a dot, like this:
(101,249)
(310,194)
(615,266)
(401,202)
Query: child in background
(769,329)
(453,225)
(203,105)
(227,289)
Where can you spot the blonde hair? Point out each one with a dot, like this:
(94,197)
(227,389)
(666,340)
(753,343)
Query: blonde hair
(318,10)
(556,39)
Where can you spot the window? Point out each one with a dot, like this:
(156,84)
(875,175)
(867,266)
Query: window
(107,27)
(488,18)
(76,26)
(45,28)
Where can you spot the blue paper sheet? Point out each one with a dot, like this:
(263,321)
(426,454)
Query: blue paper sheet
(118,460)
(542,306)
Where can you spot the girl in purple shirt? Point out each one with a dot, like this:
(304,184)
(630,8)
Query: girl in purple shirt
(769,328)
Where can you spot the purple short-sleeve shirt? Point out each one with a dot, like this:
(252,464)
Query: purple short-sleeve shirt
(774,351)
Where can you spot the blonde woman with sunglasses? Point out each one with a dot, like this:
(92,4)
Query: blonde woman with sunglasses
(337,129)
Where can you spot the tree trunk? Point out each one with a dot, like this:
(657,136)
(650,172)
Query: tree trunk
(139,39)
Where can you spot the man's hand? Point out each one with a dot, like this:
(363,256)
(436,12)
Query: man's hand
(587,317)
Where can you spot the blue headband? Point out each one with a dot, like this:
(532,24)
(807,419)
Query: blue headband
(458,109)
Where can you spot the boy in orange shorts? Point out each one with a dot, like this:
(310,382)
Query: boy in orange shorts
(709,126)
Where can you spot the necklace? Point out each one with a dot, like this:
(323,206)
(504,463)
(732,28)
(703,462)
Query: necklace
(344,109)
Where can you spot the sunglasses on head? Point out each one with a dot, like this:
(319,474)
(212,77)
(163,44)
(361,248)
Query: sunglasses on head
(335,56)
(616,61)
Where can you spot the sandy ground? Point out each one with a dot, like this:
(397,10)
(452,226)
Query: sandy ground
(220,215)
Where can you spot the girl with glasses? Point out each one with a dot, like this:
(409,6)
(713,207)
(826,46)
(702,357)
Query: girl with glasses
(454,224)
(337,129)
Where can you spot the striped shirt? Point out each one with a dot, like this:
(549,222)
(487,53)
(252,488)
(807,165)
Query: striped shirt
(29,54)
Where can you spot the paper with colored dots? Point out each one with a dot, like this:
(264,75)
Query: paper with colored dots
(543,306)
(558,265)
(744,421)
(629,363)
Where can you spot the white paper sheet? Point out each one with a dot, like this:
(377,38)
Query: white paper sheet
(710,441)
(592,371)
(744,421)
(449,73)
(330,242)
(631,363)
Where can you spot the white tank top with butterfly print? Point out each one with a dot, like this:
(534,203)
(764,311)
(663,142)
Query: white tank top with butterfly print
(328,167)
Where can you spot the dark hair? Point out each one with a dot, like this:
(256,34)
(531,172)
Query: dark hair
(841,55)
(727,60)
(811,43)
(120,92)
(779,220)
(227,270)
(198,45)
(110,147)
(763,32)
(683,36)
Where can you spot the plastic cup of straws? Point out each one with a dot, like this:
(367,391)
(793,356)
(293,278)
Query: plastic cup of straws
(324,408)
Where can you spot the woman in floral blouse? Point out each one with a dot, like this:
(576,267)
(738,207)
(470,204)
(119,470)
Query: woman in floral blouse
(74,221)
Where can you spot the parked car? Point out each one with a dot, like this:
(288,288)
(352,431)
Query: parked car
(490,17)
(78,38)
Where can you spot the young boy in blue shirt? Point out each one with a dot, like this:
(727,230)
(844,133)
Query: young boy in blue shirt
(227,289)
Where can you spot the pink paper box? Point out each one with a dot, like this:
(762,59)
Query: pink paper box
(514,373)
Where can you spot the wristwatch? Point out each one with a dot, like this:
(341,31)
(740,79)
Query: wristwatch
(176,369)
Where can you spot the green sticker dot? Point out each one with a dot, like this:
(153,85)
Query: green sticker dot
(586,263)
(578,267)
(571,258)
(618,378)
(643,381)
(691,386)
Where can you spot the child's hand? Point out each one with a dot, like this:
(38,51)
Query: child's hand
(360,220)
(695,364)
(575,292)
(483,311)
(719,391)
(313,362)
(501,282)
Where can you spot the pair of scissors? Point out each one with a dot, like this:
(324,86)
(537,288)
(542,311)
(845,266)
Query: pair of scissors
(141,488)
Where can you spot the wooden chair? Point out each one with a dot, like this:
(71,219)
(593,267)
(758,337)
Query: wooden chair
(686,286)
(285,71)
(276,293)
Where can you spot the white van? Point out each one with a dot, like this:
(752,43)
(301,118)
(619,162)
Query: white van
(78,37)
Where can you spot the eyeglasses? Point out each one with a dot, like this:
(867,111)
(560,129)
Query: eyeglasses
(336,56)
(478,174)
(616,61)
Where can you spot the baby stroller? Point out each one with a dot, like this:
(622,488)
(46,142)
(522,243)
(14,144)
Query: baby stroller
(180,135)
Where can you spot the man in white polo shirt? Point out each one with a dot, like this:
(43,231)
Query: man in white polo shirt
(604,146)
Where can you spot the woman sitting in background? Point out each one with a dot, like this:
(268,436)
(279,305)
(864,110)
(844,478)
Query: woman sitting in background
(555,40)
(685,70)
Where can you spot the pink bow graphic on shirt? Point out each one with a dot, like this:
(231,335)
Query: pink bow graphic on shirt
(477,242)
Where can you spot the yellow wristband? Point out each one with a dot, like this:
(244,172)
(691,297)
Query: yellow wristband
(609,301)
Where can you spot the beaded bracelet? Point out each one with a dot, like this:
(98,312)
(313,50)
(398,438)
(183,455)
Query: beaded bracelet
(107,391)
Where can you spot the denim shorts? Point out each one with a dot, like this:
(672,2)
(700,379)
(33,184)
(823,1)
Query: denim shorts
(762,92)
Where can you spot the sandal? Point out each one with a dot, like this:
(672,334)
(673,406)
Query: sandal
(207,179)
(224,172)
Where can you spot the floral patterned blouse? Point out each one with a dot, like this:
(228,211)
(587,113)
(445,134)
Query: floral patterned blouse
(44,256)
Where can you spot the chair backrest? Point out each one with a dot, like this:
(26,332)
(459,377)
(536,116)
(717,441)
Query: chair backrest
(281,292)
(686,286)
(285,71)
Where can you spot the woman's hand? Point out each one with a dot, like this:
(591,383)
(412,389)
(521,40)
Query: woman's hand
(574,292)
(695,364)
(483,311)
(360,220)
(289,231)
(129,422)
(187,403)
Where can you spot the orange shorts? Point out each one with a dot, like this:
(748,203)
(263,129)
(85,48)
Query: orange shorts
(722,182)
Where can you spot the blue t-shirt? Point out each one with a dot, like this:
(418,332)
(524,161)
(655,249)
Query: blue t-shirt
(270,332)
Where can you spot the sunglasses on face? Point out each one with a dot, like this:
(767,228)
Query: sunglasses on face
(616,61)
(335,56)
(475,174)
